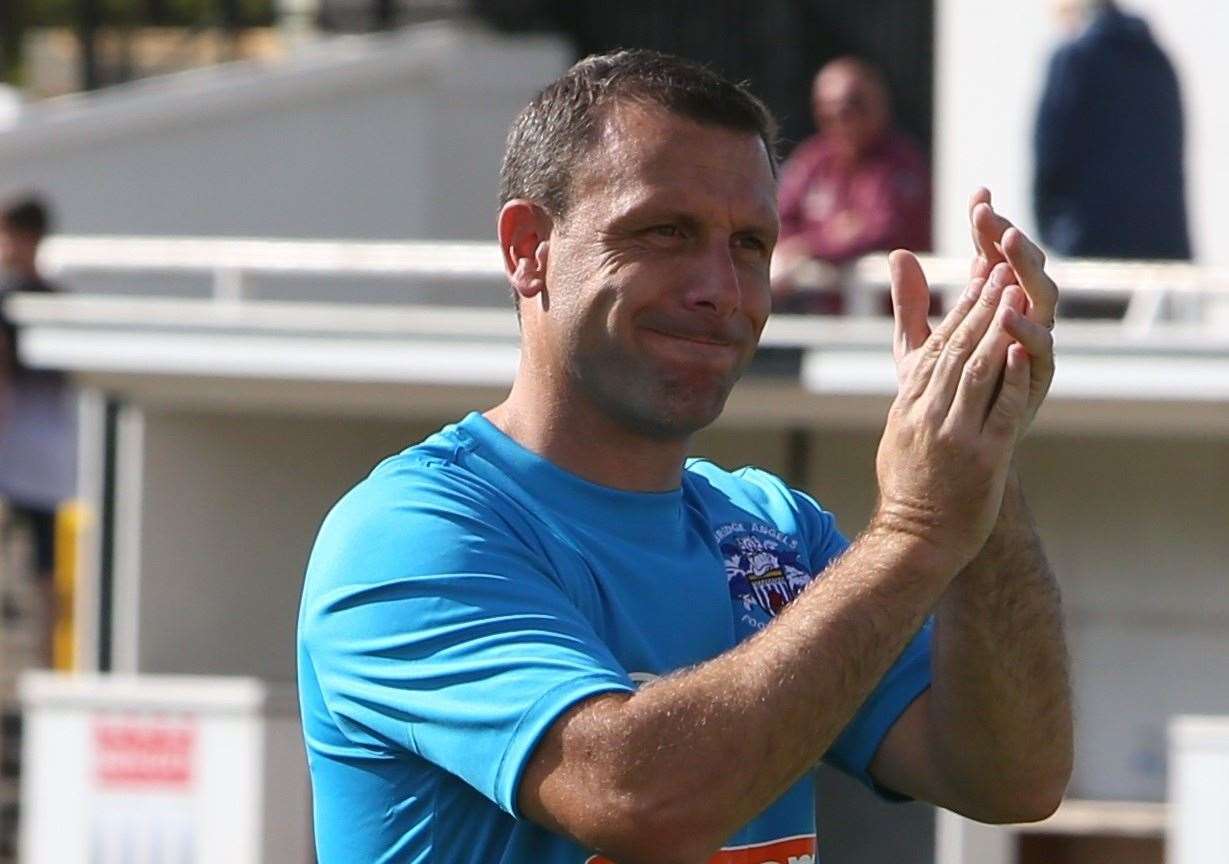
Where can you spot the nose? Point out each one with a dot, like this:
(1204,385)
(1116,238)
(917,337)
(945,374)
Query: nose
(715,286)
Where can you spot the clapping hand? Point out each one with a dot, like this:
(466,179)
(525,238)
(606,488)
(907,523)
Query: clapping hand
(967,390)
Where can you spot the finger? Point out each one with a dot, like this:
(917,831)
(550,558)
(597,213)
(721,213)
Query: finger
(1007,416)
(910,303)
(1038,341)
(980,267)
(949,366)
(1027,259)
(981,196)
(1036,338)
(980,377)
(987,228)
(916,379)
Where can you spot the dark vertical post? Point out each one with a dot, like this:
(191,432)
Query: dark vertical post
(229,14)
(384,14)
(88,20)
(106,527)
(797,456)
(12,25)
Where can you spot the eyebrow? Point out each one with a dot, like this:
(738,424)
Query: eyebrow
(664,207)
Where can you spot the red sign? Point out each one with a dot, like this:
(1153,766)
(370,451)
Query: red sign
(144,752)
(791,850)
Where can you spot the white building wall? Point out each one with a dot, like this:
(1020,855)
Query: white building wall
(991,58)
(230,507)
(375,138)
(1134,527)
(1135,531)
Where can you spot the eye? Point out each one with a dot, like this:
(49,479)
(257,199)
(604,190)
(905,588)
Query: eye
(665,231)
(752,242)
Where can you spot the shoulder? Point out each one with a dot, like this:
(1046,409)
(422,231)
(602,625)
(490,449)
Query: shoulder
(808,149)
(406,486)
(810,154)
(904,147)
(1070,60)
(420,511)
(903,162)
(764,495)
(748,484)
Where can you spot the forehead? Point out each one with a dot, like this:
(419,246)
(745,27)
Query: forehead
(648,151)
(839,82)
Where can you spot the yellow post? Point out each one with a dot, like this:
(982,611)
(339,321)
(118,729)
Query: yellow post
(71,521)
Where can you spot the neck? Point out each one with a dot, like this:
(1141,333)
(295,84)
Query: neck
(572,433)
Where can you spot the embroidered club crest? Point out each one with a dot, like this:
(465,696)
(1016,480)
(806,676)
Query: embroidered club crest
(762,569)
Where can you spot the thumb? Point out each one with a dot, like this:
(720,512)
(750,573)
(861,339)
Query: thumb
(910,302)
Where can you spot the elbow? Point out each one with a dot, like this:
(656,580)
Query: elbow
(1028,788)
(646,826)
(1035,806)
(642,845)
(1032,799)
(1045,796)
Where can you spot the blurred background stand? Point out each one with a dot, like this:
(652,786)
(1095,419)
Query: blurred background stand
(166,770)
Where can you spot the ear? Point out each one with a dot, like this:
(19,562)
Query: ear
(524,243)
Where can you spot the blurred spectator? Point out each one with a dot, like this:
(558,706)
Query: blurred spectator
(1109,165)
(859,186)
(37,412)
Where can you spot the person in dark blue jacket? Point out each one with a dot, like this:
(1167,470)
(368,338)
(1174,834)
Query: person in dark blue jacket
(1109,177)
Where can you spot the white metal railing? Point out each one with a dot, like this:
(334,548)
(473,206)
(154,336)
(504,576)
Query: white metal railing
(1149,287)
(230,261)
(1146,286)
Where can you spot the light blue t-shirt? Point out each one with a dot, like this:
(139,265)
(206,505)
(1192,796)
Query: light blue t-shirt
(468,592)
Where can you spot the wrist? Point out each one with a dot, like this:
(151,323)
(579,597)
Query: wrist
(915,545)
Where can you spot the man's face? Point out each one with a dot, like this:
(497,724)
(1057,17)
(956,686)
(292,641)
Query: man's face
(1070,15)
(850,108)
(657,284)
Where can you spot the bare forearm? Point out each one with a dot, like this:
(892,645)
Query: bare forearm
(735,732)
(1000,703)
(696,755)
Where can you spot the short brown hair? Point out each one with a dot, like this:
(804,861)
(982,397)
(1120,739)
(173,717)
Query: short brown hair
(26,215)
(560,125)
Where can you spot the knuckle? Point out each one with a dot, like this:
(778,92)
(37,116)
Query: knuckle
(931,414)
(942,440)
(999,425)
(898,413)
(932,350)
(977,370)
(1008,407)
(986,459)
(909,393)
(960,343)
(951,438)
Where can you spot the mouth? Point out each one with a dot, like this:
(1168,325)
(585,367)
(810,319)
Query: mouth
(694,338)
(695,348)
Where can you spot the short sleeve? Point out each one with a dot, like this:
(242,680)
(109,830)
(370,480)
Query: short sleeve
(904,682)
(824,540)
(433,625)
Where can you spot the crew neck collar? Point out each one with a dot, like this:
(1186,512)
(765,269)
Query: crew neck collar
(618,510)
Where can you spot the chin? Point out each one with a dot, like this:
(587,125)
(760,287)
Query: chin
(661,405)
(681,417)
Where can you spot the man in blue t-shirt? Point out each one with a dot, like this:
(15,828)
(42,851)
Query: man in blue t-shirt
(545,636)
